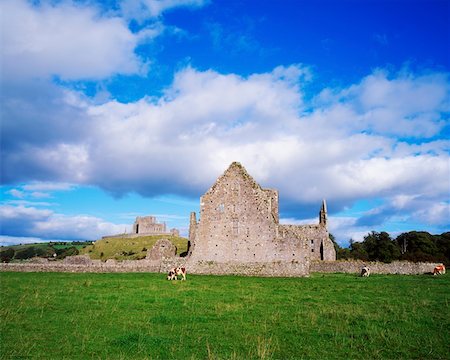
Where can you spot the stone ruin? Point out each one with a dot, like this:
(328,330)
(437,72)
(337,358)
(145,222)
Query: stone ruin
(238,233)
(145,226)
(163,249)
(148,225)
(239,223)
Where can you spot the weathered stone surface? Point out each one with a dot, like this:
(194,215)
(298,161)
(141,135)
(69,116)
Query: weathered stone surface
(272,269)
(239,223)
(78,260)
(355,266)
(148,225)
(163,249)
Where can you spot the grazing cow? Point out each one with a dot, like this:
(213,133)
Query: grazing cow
(173,273)
(365,271)
(439,270)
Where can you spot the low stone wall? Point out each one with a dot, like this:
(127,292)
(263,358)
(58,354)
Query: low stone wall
(84,264)
(354,266)
(266,269)
(270,269)
(82,268)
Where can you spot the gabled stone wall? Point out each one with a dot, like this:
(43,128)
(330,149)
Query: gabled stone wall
(239,223)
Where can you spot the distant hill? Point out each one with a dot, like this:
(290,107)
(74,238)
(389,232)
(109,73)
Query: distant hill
(44,250)
(130,248)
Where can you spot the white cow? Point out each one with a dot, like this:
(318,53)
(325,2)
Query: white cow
(365,271)
(173,273)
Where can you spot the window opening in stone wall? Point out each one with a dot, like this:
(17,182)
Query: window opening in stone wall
(312,250)
(321,251)
(312,242)
(137,228)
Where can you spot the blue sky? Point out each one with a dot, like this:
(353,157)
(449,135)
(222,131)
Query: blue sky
(117,109)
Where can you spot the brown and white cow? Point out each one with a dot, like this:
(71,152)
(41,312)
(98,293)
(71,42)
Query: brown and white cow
(365,271)
(175,272)
(439,270)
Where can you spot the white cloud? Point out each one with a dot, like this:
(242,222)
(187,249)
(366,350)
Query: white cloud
(26,221)
(76,227)
(16,193)
(406,105)
(66,39)
(19,212)
(436,213)
(141,10)
(40,195)
(48,186)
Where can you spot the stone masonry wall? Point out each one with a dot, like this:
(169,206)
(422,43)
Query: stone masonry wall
(354,266)
(272,269)
(237,221)
(148,225)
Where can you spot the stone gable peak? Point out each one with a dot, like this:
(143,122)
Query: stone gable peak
(234,171)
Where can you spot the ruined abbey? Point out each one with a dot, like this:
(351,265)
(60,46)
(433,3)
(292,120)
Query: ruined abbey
(238,232)
(239,224)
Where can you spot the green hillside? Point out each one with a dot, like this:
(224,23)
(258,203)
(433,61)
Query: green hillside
(119,248)
(45,250)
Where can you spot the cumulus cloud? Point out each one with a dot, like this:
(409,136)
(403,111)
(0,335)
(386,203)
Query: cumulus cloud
(65,39)
(141,10)
(28,221)
(404,106)
(48,186)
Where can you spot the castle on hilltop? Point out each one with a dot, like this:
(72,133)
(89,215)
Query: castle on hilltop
(146,226)
(239,223)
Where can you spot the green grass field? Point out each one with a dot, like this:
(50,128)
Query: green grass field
(144,316)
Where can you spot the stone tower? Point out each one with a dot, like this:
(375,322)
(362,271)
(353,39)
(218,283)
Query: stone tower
(323,214)
(192,229)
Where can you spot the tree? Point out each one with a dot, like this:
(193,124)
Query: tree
(357,251)
(380,247)
(422,246)
(341,253)
(6,255)
(70,251)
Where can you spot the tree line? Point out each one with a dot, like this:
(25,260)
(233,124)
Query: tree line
(412,246)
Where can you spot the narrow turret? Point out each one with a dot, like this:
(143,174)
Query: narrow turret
(192,230)
(323,214)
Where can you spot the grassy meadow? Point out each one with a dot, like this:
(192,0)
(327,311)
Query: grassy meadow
(144,316)
(129,248)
